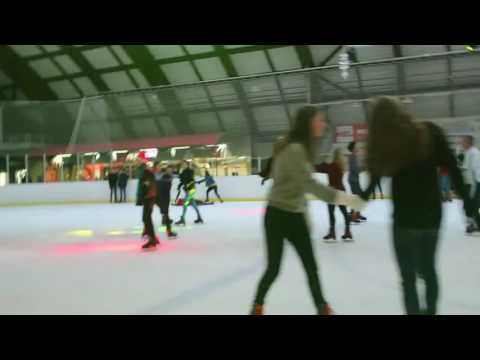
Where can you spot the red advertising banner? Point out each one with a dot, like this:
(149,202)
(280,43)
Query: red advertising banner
(360,132)
(344,134)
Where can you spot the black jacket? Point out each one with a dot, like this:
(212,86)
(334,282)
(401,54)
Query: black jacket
(164,187)
(122,180)
(112,179)
(417,200)
(187,178)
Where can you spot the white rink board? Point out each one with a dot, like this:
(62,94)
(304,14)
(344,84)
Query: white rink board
(233,188)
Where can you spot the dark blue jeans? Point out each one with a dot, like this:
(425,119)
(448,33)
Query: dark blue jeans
(415,251)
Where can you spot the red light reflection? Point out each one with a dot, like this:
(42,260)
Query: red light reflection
(249,212)
(132,246)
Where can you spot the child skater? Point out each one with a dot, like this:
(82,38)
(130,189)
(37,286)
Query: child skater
(185,175)
(285,214)
(188,181)
(335,170)
(410,152)
(211,185)
(163,179)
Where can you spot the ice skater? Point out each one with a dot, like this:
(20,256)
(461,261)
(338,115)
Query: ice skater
(186,173)
(122,185)
(113,183)
(354,179)
(188,183)
(410,152)
(211,186)
(471,167)
(285,214)
(163,179)
(335,170)
(146,196)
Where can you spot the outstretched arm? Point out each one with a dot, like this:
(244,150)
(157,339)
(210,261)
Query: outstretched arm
(301,171)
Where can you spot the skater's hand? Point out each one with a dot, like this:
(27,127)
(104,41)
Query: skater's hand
(352,201)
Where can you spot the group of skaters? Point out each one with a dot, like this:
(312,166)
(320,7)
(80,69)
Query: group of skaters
(154,188)
(118,180)
(408,151)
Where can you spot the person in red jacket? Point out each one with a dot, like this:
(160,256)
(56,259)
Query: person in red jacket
(335,170)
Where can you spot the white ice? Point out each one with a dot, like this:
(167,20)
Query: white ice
(84,259)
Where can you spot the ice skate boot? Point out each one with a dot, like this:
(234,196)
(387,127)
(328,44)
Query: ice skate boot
(330,237)
(180,222)
(347,237)
(326,310)
(257,310)
(150,244)
(354,218)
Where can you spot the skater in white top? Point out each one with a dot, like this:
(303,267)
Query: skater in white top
(471,167)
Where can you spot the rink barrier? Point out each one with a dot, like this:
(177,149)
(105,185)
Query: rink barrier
(231,188)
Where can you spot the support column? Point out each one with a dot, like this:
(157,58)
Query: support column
(78,167)
(44,166)
(73,139)
(26,168)
(1,124)
(7,162)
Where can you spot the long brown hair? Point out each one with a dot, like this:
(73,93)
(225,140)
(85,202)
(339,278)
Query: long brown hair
(301,132)
(395,140)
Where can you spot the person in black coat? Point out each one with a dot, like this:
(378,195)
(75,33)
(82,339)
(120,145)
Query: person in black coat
(163,179)
(410,152)
(148,195)
(122,184)
(113,183)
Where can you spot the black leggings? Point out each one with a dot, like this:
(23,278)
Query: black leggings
(280,225)
(214,188)
(415,250)
(147,217)
(113,193)
(163,206)
(331,214)
(379,185)
(123,194)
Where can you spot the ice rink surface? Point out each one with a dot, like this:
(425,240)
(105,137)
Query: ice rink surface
(86,259)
